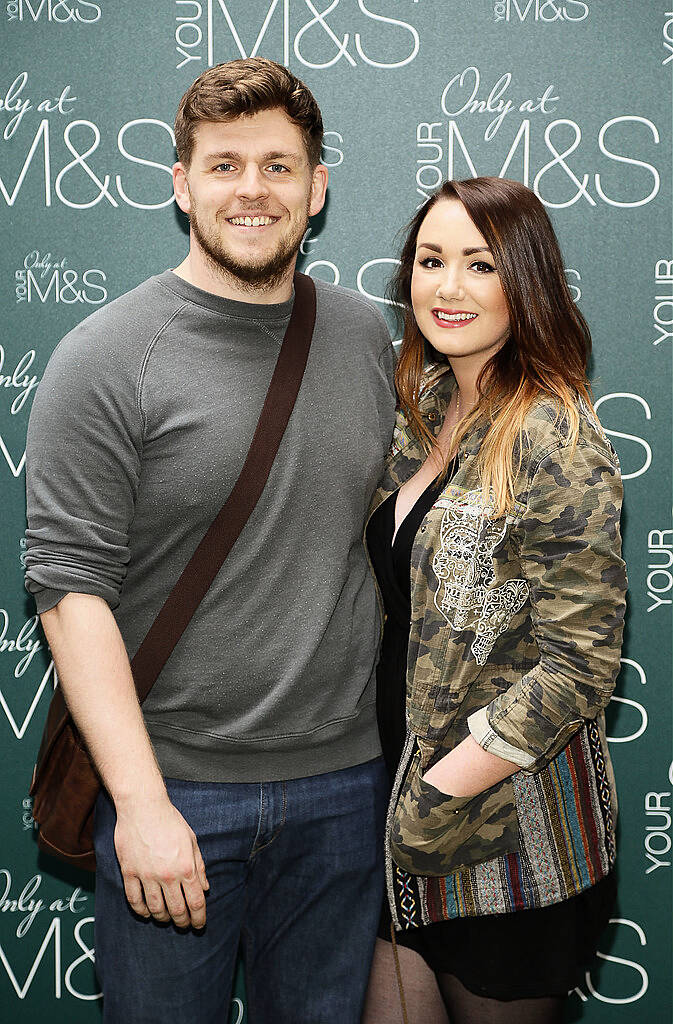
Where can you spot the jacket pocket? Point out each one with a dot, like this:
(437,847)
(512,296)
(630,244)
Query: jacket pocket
(436,834)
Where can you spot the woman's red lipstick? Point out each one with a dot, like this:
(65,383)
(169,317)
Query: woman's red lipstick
(453,317)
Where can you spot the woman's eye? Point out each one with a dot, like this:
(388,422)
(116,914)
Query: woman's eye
(431,262)
(482,267)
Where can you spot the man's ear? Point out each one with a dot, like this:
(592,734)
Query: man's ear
(318,190)
(181,188)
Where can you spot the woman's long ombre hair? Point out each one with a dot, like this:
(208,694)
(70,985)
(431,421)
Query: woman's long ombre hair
(549,344)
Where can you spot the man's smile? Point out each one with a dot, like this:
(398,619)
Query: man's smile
(252,221)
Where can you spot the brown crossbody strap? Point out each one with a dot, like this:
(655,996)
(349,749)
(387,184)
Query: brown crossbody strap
(223,532)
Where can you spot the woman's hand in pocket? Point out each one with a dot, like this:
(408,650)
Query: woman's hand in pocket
(436,832)
(468,770)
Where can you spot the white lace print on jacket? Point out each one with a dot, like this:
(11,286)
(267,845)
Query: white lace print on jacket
(463,565)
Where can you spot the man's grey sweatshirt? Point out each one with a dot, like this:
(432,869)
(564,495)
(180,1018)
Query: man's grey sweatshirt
(138,431)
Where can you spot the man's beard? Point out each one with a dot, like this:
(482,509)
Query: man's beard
(263,274)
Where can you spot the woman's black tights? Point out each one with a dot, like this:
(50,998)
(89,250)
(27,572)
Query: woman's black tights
(464,1007)
(442,999)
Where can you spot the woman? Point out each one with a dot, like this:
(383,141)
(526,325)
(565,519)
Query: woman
(495,539)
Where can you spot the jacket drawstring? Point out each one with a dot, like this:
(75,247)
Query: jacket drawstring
(398,972)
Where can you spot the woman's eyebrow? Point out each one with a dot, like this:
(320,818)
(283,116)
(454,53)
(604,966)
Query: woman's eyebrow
(466,252)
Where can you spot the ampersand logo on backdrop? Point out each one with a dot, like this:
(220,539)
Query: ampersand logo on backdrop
(80,183)
(476,112)
(518,11)
(57,12)
(45,278)
(317,35)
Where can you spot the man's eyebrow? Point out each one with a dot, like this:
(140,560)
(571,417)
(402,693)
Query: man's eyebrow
(281,156)
(466,252)
(231,154)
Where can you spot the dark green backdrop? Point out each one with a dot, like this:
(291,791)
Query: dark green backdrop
(574,98)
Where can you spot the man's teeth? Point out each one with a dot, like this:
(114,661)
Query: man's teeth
(454,316)
(251,222)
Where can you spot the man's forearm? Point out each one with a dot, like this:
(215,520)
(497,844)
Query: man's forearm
(160,861)
(95,675)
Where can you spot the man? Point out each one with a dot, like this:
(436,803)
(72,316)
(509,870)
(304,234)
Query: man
(245,801)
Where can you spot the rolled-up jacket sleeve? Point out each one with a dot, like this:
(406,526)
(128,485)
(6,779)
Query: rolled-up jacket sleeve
(570,556)
(82,469)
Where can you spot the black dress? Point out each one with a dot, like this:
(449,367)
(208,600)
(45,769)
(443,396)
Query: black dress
(521,955)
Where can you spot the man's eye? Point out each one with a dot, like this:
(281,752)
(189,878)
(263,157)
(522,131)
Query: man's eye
(224,167)
(276,168)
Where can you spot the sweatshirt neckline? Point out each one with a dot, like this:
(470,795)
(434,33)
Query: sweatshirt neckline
(277,311)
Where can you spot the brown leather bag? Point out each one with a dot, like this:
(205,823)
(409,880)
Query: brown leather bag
(65,784)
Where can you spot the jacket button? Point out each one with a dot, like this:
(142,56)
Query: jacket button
(432,417)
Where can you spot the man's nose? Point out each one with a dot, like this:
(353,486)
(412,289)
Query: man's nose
(251,184)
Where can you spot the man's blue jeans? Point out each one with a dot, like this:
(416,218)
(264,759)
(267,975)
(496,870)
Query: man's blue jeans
(296,875)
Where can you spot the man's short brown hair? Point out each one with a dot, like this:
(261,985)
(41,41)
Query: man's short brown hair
(248,86)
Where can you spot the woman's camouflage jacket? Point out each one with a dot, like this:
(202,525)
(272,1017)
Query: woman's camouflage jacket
(516,626)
